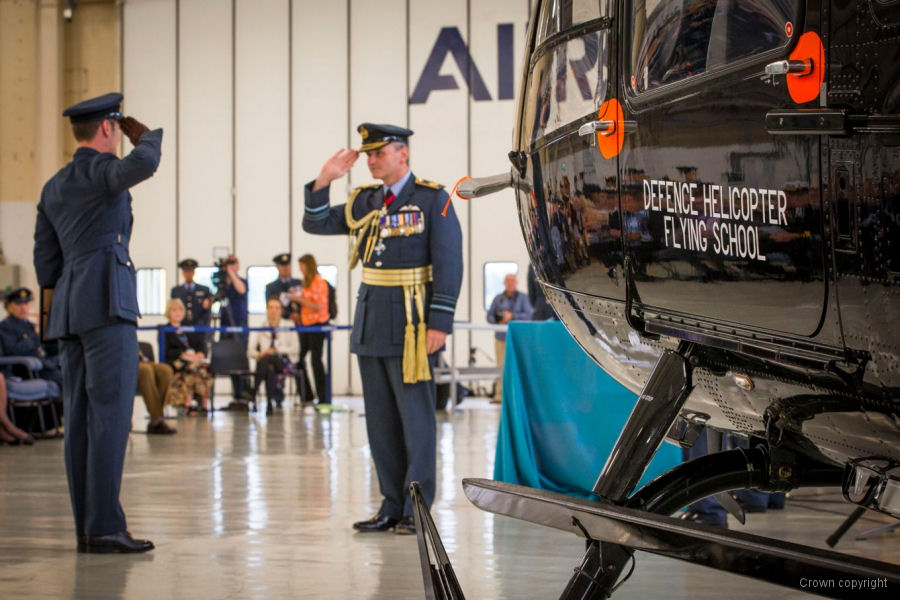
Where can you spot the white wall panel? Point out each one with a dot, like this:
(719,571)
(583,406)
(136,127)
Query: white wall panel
(320,128)
(495,231)
(377,70)
(439,148)
(149,88)
(267,90)
(262,132)
(205,118)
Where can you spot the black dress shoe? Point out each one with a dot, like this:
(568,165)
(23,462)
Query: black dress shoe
(379,522)
(160,428)
(121,542)
(406,526)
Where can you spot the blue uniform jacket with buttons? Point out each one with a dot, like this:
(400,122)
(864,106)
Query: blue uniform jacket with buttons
(18,337)
(380,317)
(81,237)
(194,313)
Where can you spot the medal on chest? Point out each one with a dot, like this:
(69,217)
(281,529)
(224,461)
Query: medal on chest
(409,220)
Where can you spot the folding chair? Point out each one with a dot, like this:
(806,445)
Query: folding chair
(31,392)
(146,350)
(228,357)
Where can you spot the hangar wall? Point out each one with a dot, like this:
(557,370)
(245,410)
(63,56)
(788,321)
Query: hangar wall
(255,94)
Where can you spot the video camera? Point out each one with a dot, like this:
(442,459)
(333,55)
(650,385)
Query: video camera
(220,278)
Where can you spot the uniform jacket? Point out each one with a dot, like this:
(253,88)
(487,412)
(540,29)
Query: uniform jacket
(18,337)
(380,317)
(194,314)
(81,237)
(277,287)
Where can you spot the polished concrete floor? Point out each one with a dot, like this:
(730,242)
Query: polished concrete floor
(244,506)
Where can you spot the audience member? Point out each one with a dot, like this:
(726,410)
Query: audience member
(313,301)
(511,305)
(275,353)
(197,300)
(9,433)
(18,336)
(154,381)
(189,363)
(283,287)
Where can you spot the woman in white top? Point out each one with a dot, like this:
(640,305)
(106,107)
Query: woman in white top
(275,353)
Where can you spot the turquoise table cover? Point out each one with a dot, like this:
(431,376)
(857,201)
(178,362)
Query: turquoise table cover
(561,414)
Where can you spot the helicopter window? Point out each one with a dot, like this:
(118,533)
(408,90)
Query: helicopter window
(561,15)
(672,41)
(151,290)
(568,81)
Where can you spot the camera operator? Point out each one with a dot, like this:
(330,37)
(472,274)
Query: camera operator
(231,290)
(511,305)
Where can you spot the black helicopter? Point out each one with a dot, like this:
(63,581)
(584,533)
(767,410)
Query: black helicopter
(710,194)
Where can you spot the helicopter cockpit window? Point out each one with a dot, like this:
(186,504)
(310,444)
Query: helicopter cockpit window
(561,15)
(674,40)
(569,77)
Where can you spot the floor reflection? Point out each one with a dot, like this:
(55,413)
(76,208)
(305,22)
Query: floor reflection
(248,506)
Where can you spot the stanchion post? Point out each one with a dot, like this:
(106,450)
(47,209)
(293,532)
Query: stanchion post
(328,374)
(160,343)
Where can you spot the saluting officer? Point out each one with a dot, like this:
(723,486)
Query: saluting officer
(284,286)
(197,300)
(81,249)
(18,337)
(412,272)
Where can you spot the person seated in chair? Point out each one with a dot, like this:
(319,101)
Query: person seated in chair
(154,380)
(189,363)
(275,353)
(18,336)
(9,433)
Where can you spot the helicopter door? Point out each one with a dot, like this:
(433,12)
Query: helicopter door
(722,221)
(571,220)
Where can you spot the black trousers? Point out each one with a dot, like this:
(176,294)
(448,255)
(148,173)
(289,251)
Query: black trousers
(99,381)
(268,368)
(312,343)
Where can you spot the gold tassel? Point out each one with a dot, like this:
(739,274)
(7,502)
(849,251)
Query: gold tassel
(409,340)
(373,237)
(423,373)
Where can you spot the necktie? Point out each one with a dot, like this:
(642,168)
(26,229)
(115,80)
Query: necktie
(274,336)
(389,197)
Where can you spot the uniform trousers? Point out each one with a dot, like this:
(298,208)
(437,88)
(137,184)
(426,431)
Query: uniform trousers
(154,380)
(400,423)
(99,380)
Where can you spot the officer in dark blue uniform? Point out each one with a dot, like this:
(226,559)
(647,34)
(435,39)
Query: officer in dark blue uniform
(412,272)
(284,286)
(197,300)
(18,337)
(81,250)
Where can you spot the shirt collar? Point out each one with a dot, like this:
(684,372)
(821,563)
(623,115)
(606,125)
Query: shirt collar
(398,186)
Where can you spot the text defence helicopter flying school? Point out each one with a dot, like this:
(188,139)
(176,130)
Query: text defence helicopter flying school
(710,194)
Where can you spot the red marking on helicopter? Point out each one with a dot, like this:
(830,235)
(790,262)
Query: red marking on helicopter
(611,139)
(804,87)
(789,29)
